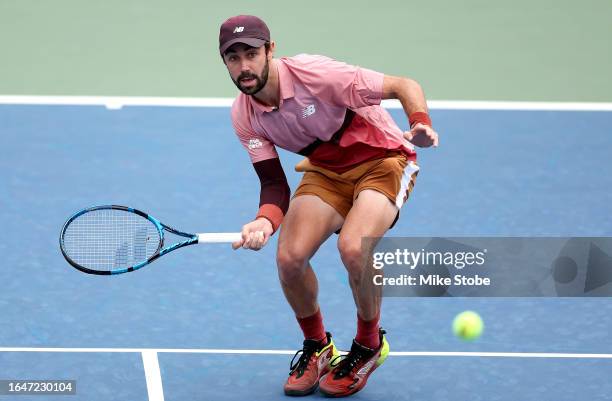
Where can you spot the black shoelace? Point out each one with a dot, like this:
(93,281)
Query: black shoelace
(310,347)
(347,364)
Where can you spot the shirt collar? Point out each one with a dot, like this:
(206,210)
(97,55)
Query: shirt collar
(286,87)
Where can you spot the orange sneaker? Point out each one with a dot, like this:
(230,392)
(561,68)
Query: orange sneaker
(350,373)
(313,363)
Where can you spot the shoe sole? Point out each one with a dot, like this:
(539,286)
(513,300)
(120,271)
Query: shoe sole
(301,393)
(331,395)
(341,395)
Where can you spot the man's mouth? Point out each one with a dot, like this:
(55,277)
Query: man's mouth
(248,81)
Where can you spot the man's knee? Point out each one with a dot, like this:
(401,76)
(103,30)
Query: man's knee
(351,254)
(291,263)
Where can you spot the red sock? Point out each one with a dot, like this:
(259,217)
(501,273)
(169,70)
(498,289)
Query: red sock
(312,326)
(367,332)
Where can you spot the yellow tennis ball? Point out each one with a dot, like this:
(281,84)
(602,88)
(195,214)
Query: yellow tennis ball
(468,325)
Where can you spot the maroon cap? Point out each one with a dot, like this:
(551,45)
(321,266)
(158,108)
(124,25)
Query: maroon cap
(246,29)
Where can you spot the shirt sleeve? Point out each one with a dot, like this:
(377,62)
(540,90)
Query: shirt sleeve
(275,191)
(258,147)
(338,82)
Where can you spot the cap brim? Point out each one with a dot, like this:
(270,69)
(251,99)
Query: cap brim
(254,42)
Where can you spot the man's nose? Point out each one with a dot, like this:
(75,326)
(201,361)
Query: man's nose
(245,66)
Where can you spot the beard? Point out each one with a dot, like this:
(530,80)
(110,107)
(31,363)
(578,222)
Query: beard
(260,81)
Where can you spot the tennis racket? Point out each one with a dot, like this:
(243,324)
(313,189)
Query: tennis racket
(113,239)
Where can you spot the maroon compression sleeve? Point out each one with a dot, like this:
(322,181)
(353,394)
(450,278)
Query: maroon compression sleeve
(275,191)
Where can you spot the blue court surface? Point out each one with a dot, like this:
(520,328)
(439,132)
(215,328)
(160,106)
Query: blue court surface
(209,323)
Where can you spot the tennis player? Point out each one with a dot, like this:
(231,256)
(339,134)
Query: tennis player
(358,172)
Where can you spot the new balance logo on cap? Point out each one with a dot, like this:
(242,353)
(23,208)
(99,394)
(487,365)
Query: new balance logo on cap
(247,29)
(308,111)
(255,144)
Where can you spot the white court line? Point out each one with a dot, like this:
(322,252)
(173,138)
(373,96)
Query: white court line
(291,352)
(113,102)
(117,102)
(154,380)
(153,375)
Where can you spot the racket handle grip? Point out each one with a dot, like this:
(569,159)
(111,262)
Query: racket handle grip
(208,238)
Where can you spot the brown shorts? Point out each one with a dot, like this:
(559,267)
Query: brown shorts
(394,176)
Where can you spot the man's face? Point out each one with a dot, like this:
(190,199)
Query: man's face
(248,67)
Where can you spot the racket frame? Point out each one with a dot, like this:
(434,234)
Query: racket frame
(160,251)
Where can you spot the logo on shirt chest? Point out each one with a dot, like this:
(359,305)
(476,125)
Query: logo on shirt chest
(308,111)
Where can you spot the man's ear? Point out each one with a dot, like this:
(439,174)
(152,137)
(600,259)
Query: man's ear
(270,54)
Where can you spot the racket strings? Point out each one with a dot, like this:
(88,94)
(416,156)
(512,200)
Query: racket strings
(110,239)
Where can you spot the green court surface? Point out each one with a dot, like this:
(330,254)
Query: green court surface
(540,50)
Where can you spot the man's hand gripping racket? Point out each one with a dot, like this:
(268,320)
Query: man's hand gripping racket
(254,235)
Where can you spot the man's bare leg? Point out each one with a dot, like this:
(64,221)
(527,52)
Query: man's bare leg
(371,216)
(307,224)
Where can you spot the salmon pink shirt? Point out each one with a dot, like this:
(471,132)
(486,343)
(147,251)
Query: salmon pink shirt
(329,111)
